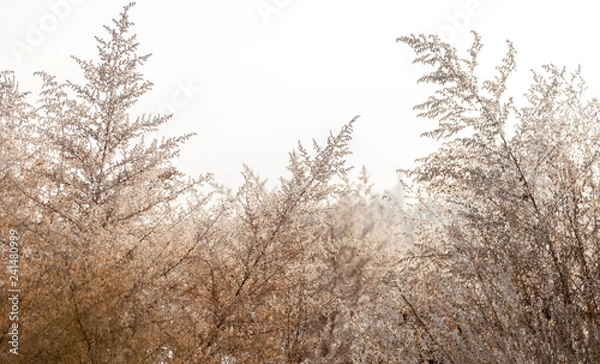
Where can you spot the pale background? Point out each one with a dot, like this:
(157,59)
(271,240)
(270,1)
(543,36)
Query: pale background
(262,74)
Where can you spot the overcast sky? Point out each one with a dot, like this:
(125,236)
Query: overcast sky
(252,77)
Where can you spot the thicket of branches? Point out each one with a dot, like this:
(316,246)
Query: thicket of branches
(511,261)
(124,259)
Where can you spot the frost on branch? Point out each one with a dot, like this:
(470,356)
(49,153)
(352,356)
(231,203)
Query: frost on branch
(503,271)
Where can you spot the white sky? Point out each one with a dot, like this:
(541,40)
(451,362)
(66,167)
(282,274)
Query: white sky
(261,81)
